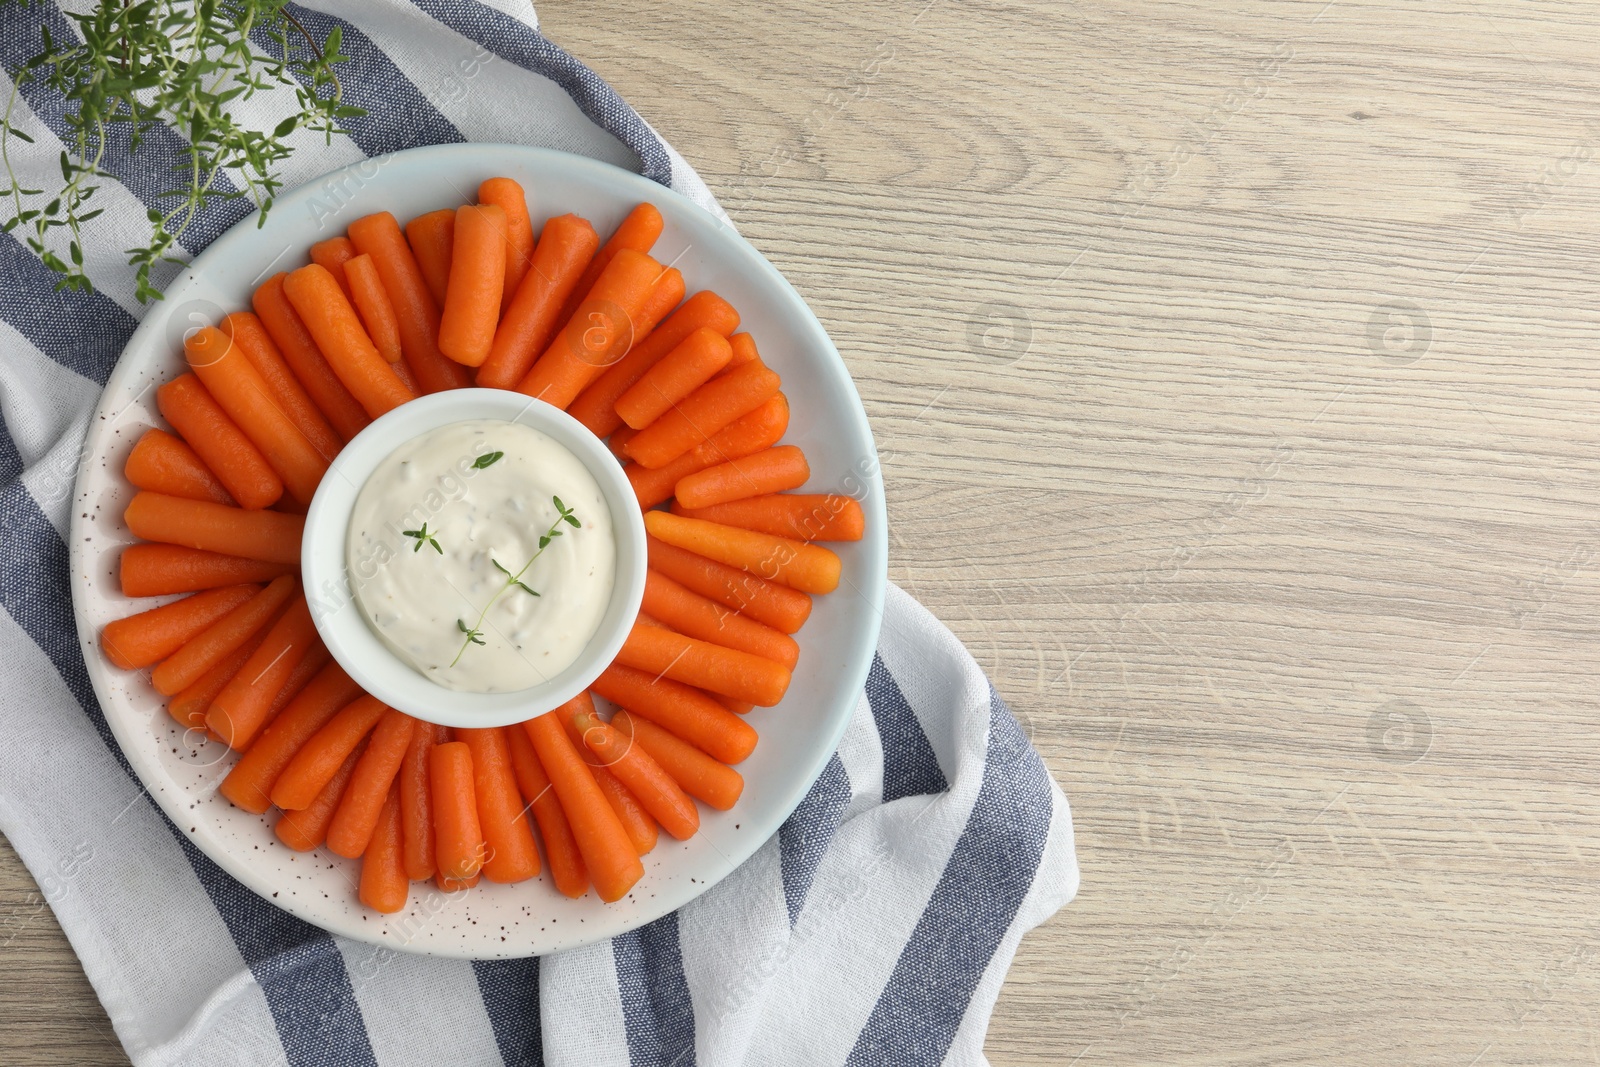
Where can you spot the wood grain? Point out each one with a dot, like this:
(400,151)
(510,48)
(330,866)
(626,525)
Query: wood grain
(1233,370)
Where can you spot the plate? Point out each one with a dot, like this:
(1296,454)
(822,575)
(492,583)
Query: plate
(181,771)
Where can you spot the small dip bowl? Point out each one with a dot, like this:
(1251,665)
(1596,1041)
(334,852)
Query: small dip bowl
(340,621)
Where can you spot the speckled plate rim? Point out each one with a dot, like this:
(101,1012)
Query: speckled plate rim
(806,727)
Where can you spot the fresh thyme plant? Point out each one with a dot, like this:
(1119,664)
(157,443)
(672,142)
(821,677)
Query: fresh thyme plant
(184,64)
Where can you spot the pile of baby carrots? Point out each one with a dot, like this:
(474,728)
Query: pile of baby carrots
(457,297)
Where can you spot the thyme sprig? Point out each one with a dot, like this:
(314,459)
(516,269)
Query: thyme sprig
(474,632)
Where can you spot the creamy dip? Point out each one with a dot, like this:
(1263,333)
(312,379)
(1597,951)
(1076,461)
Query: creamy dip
(440,545)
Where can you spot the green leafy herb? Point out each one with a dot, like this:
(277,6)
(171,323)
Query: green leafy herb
(475,632)
(488,459)
(145,64)
(423,537)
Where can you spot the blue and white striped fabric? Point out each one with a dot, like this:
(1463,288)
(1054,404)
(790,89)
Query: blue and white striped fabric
(875,928)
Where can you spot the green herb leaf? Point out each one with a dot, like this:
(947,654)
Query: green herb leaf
(487,460)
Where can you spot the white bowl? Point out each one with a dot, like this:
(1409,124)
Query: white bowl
(181,770)
(340,620)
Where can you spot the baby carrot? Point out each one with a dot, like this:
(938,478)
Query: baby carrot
(700,776)
(566,245)
(598,334)
(618,441)
(571,877)
(608,854)
(379,236)
(321,756)
(687,612)
(595,407)
(477,283)
(512,855)
(189,706)
(339,334)
(357,814)
(703,412)
(243,393)
(372,303)
(637,822)
(416,801)
(659,794)
(772,471)
(142,639)
(270,536)
(208,647)
(777,606)
(303,829)
(679,373)
(310,665)
(301,355)
(700,663)
(332,255)
(230,455)
(458,835)
(638,232)
(455,885)
(738,707)
(249,784)
(745,436)
(384,886)
(431,238)
(744,350)
(162,463)
(808,568)
(239,712)
(248,332)
(680,709)
(802,516)
(508,196)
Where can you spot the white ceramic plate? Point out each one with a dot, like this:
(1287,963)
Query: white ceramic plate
(797,737)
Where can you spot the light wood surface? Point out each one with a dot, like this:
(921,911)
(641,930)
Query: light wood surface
(1233,367)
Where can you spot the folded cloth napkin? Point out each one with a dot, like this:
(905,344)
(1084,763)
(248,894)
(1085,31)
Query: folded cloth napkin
(875,928)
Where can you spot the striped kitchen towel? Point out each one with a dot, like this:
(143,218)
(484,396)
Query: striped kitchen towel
(875,928)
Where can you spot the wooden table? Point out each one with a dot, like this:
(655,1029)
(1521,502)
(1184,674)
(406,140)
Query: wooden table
(1233,368)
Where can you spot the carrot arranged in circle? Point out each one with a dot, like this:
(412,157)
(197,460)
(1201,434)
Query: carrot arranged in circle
(659,794)
(213,644)
(321,757)
(249,784)
(384,886)
(680,372)
(700,663)
(694,615)
(189,706)
(772,471)
(567,871)
(455,885)
(608,854)
(681,709)
(250,334)
(332,255)
(700,776)
(595,407)
(431,238)
(269,536)
(373,306)
(239,712)
(416,803)
(745,436)
(477,284)
(618,441)
(303,829)
(637,822)
(316,657)
(339,334)
(778,606)
(164,464)
(306,361)
(363,800)
(566,245)
(458,835)
(802,516)
(142,639)
(222,445)
(243,393)
(379,236)
(808,568)
(512,856)
(703,412)
(744,350)
(638,232)
(598,334)
(509,197)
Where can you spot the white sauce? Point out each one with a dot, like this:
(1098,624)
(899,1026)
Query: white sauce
(418,598)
